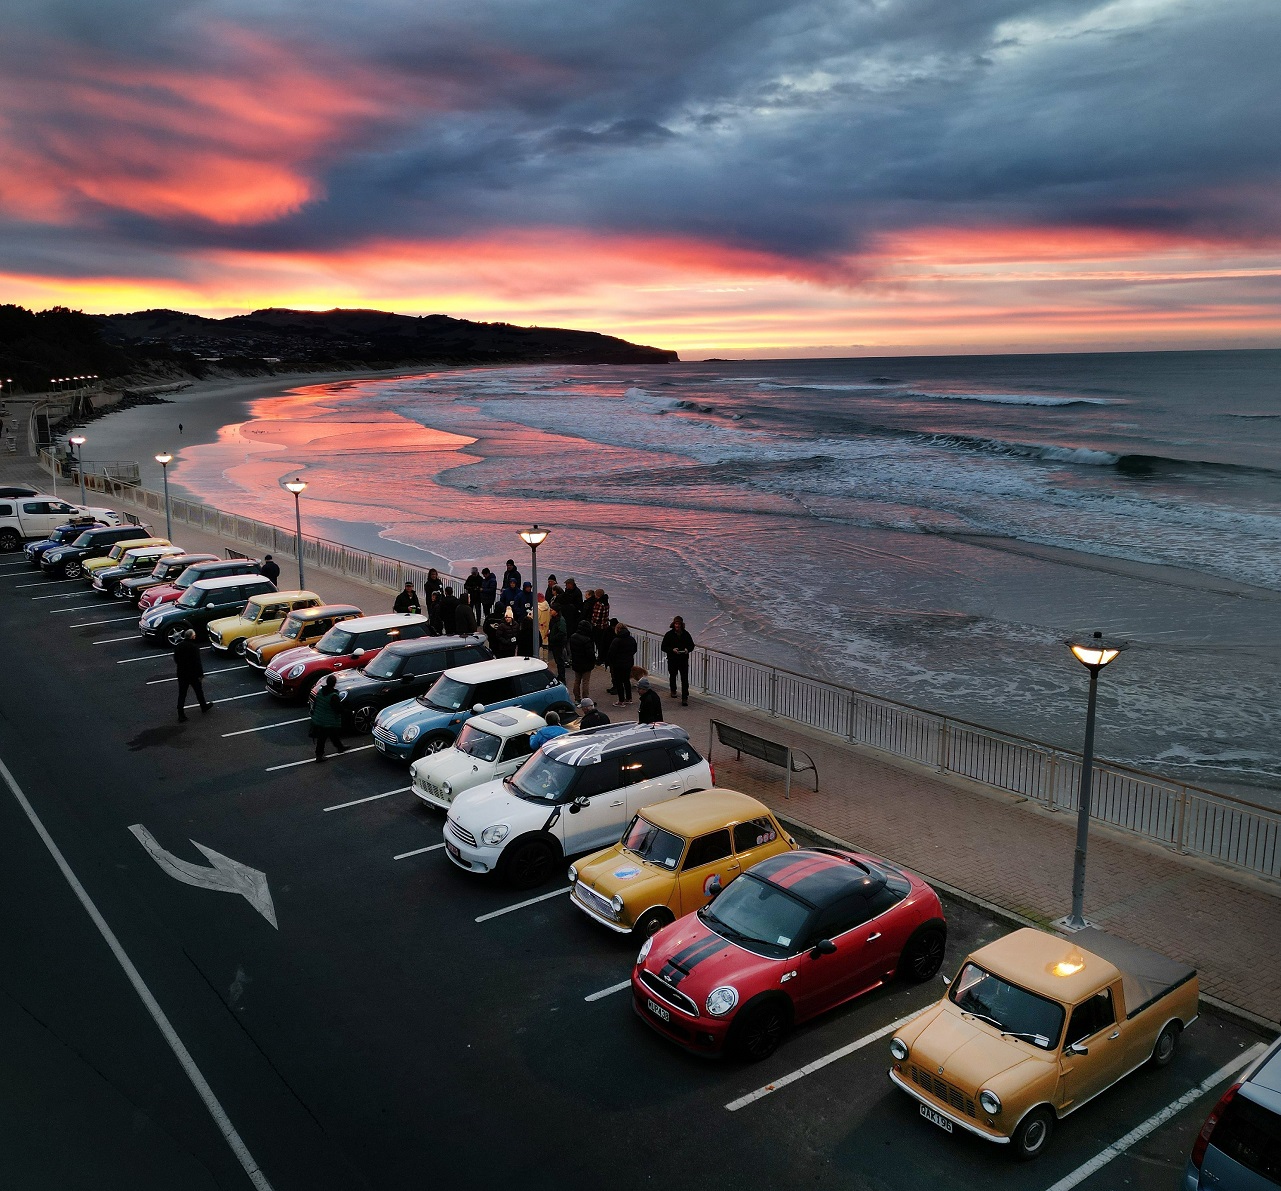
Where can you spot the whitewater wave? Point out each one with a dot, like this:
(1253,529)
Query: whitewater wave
(1016,399)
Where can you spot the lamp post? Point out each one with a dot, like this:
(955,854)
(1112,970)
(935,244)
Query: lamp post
(78,441)
(298,487)
(1093,653)
(533,538)
(165,459)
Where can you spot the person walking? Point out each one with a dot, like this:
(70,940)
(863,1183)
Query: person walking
(651,706)
(557,643)
(511,574)
(407,601)
(488,590)
(191,673)
(473,585)
(678,645)
(270,568)
(326,717)
(550,731)
(590,716)
(622,652)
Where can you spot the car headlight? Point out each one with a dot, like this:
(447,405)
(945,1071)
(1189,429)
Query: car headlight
(573,875)
(898,1049)
(296,671)
(495,834)
(411,733)
(616,903)
(446,789)
(990,1102)
(644,951)
(721,1000)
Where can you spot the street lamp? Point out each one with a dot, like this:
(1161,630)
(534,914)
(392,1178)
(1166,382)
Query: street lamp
(78,441)
(165,459)
(1093,653)
(533,538)
(298,487)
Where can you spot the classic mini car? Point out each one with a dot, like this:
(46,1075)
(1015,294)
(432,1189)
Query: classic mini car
(574,794)
(429,723)
(215,568)
(203,601)
(403,668)
(135,561)
(69,561)
(798,934)
(293,672)
(304,627)
(63,535)
(262,614)
(670,856)
(1034,1026)
(115,556)
(489,746)
(166,570)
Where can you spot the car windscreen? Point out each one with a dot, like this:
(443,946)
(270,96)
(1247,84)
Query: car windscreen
(1011,1009)
(447,694)
(759,915)
(385,665)
(193,597)
(188,577)
(85,539)
(291,628)
(653,843)
(476,742)
(67,535)
(162,569)
(541,779)
(335,641)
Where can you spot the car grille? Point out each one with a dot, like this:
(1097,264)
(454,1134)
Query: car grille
(462,833)
(593,901)
(665,992)
(99,584)
(432,790)
(940,1089)
(274,680)
(386,735)
(215,638)
(254,658)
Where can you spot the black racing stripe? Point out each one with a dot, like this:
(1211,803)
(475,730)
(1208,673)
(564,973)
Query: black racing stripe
(681,958)
(791,876)
(710,947)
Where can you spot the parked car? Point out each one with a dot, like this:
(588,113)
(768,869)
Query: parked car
(64,535)
(575,793)
(1034,1026)
(113,556)
(68,561)
(166,593)
(489,746)
(304,627)
(403,668)
(136,561)
(292,673)
(262,614)
(28,517)
(429,723)
(17,490)
(795,936)
(203,601)
(166,570)
(1239,1146)
(673,858)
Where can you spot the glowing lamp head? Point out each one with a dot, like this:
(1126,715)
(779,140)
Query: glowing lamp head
(296,486)
(77,440)
(1070,965)
(164,459)
(534,537)
(1094,652)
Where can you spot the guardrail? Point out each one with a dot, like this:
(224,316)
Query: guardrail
(1187,819)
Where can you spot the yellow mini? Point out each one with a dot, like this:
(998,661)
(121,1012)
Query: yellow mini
(113,556)
(263,614)
(670,854)
(306,626)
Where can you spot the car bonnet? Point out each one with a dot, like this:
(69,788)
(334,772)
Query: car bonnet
(449,765)
(492,802)
(694,959)
(291,657)
(966,1051)
(616,870)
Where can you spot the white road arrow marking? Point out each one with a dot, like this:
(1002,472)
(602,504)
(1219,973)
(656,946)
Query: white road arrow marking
(226,876)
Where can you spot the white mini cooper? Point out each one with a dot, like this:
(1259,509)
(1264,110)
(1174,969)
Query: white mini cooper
(489,746)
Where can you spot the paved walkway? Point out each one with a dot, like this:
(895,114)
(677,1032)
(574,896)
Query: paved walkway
(998,848)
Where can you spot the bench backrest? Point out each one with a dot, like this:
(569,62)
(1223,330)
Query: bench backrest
(753,746)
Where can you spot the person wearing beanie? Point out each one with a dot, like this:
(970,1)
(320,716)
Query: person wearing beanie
(590,715)
(651,706)
(552,729)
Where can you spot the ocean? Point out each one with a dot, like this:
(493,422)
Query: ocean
(929,529)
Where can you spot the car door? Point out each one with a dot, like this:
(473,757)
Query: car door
(494,693)
(515,752)
(601,816)
(649,775)
(422,670)
(1093,1027)
(41,517)
(826,980)
(708,856)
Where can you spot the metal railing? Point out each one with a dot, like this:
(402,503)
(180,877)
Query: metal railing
(1185,818)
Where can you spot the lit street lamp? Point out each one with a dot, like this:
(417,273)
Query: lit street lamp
(78,441)
(165,459)
(298,487)
(1093,653)
(533,538)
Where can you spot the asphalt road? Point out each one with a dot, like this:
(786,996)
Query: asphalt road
(382,1036)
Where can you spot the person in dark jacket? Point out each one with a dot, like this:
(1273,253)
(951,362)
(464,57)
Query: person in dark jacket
(557,644)
(326,717)
(524,626)
(448,608)
(191,672)
(510,596)
(435,613)
(602,630)
(589,606)
(651,706)
(464,619)
(582,658)
(570,604)
(511,573)
(473,585)
(591,716)
(271,568)
(678,645)
(622,652)
(502,636)
(407,601)
(488,590)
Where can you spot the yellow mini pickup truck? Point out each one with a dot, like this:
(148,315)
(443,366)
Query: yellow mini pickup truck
(1034,1026)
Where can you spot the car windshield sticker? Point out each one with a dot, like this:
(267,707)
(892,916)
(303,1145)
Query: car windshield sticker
(670,862)
(784,940)
(625,874)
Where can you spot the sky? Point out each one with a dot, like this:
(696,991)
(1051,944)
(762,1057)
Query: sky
(751,178)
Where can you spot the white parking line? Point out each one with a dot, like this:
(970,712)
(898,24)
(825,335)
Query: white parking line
(117,640)
(233,698)
(73,607)
(84,624)
(533,901)
(151,657)
(608,992)
(819,1064)
(339,806)
(46,583)
(1139,1132)
(62,595)
(312,760)
(157,681)
(419,851)
(263,727)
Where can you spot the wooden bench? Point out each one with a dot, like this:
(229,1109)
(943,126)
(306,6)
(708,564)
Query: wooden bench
(769,751)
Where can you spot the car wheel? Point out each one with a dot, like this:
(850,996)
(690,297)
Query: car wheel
(238,647)
(73,570)
(529,864)
(173,636)
(362,719)
(1166,1044)
(437,742)
(922,955)
(759,1030)
(651,922)
(9,540)
(1032,1135)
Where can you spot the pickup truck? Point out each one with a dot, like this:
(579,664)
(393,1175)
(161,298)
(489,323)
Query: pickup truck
(25,517)
(1033,1026)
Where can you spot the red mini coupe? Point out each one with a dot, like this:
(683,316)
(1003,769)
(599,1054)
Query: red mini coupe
(350,645)
(794,936)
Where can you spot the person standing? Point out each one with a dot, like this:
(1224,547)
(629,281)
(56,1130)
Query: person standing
(510,597)
(622,652)
(582,658)
(651,706)
(326,717)
(544,619)
(601,630)
(270,568)
(464,619)
(550,731)
(407,601)
(557,643)
(511,574)
(448,610)
(191,673)
(488,590)
(433,583)
(472,587)
(678,645)
(570,604)
(590,716)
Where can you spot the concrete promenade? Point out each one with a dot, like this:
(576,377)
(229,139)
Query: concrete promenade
(998,849)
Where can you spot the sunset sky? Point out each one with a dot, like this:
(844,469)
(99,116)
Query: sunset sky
(757,177)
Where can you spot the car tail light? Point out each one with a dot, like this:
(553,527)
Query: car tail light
(1207,1130)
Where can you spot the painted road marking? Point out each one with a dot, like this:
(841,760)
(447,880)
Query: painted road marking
(73,608)
(233,698)
(45,583)
(65,595)
(819,1064)
(261,727)
(170,1035)
(533,901)
(608,992)
(84,624)
(117,640)
(1190,1097)
(157,681)
(151,657)
(419,852)
(339,806)
(360,748)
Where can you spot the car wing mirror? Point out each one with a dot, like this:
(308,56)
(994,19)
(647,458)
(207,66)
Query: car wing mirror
(1075,1048)
(823,947)
(714,888)
(357,654)
(578,804)
(477,709)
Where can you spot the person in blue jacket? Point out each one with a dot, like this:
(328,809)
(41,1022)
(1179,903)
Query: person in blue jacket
(553,729)
(488,591)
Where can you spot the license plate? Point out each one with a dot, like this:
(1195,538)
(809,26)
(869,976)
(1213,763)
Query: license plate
(936,1118)
(380,745)
(657,1010)
(452,849)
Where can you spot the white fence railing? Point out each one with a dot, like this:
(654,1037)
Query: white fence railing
(1185,818)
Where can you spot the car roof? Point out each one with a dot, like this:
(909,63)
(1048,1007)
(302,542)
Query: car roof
(325,610)
(1267,1074)
(1026,957)
(297,594)
(703,811)
(428,644)
(153,551)
(820,876)
(226,562)
(508,721)
(497,668)
(388,620)
(220,581)
(192,559)
(586,748)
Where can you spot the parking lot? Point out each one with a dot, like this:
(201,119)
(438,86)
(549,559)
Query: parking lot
(401,1022)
